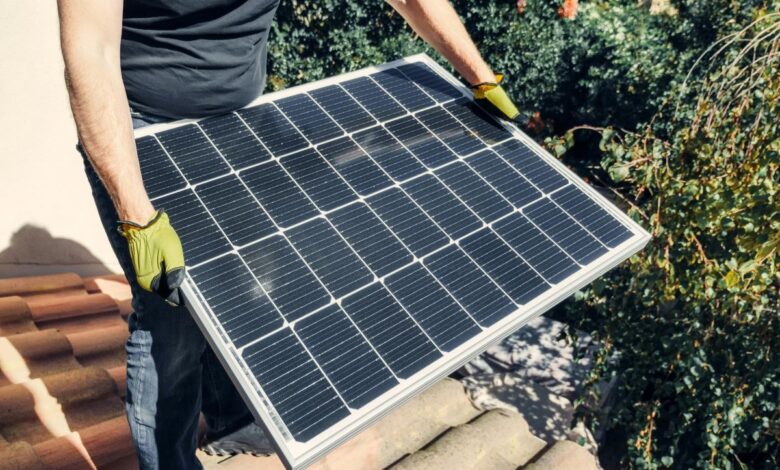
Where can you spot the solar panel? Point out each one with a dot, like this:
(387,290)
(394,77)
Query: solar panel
(351,241)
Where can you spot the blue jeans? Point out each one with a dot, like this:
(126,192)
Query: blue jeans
(172,373)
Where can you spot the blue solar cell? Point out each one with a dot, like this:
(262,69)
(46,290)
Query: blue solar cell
(323,185)
(197,159)
(271,127)
(461,140)
(478,121)
(532,166)
(442,206)
(157,170)
(350,363)
(239,303)
(296,386)
(234,140)
(355,166)
(288,281)
(285,202)
(508,270)
(598,221)
(471,189)
(466,282)
(534,246)
(445,322)
(408,222)
(341,107)
(200,236)
(386,151)
(372,97)
(235,210)
(330,257)
(503,178)
(371,239)
(424,145)
(433,84)
(309,118)
(402,89)
(565,231)
(397,338)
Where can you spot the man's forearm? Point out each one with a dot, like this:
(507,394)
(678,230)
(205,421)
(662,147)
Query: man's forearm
(101,112)
(438,23)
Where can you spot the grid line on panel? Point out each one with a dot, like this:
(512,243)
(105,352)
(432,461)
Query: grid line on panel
(158,180)
(427,80)
(349,114)
(193,152)
(583,209)
(411,288)
(383,320)
(327,258)
(397,85)
(269,124)
(373,98)
(529,241)
(573,238)
(327,335)
(234,140)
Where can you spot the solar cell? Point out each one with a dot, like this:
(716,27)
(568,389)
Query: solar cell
(234,140)
(388,153)
(355,166)
(351,241)
(323,185)
(189,148)
(279,194)
(424,145)
(273,129)
(157,170)
(374,98)
(343,108)
(235,210)
(395,83)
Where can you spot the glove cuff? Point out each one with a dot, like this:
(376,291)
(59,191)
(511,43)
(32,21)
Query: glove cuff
(127,227)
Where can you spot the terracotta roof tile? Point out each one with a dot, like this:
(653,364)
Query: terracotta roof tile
(15,316)
(63,379)
(35,354)
(73,313)
(42,286)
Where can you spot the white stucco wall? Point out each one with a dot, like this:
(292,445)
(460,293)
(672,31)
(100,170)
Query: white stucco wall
(48,222)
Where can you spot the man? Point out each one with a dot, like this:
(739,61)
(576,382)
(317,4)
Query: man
(151,61)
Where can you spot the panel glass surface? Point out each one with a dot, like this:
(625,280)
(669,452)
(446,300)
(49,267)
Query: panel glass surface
(356,239)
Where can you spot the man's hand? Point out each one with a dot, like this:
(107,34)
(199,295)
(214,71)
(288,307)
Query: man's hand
(157,256)
(493,98)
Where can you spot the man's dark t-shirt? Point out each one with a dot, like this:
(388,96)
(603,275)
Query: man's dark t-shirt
(194,58)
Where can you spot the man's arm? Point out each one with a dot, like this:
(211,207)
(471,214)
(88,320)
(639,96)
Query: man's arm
(90,33)
(438,23)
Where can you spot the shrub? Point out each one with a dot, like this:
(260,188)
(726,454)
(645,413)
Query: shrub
(696,315)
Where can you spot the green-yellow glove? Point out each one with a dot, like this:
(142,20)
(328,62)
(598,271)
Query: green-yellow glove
(157,256)
(492,97)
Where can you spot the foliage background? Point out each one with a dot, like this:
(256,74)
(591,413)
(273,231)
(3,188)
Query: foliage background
(687,140)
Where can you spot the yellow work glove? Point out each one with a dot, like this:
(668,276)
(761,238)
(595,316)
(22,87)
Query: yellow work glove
(492,97)
(157,256)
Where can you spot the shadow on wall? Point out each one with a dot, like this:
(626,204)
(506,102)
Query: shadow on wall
(34,251)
